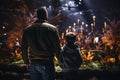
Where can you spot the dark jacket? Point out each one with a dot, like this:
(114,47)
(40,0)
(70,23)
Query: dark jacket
(72,58)
(41,40)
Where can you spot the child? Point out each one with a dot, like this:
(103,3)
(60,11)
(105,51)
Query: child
(72,58)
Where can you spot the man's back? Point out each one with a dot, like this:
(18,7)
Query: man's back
(39,44)
(41,40)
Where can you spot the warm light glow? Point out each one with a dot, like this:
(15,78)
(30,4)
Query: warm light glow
(105,25)
(78,21)
(111,60)
(96,39)
(91,24)
(119,56)
(94,18)
(83,23)
(67,30)
(69,27)
(11,45)
(87,57)
(5,34)
(86,25)
(3,27)
(74,30)
(74,24)
(62,36)
(18,53)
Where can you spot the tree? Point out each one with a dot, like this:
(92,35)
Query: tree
(13,18)
(112,39)
(115,29)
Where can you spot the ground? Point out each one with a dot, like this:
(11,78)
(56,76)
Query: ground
(19,72)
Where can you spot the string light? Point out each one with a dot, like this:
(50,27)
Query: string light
(3,27)
(5,34)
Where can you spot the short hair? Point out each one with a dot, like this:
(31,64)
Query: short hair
(42,13)
(70,37)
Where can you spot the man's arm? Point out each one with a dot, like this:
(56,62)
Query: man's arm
(24,47)
(57,48)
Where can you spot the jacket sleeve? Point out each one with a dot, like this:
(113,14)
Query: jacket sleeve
(57,48)
(24,47)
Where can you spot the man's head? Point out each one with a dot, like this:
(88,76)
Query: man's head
(42,13)
(70,37)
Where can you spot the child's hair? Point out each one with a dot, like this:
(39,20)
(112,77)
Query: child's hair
(70,37)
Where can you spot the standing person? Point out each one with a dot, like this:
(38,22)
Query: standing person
(40,43)
(72,58)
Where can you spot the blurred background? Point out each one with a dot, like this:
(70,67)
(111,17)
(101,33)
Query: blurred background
(96,23)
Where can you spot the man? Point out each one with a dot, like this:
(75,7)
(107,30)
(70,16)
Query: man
(40,43)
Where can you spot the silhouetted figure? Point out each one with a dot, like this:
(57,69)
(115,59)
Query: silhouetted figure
(72,58)
(40,43)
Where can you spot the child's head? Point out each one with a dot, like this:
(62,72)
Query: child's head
(70,37)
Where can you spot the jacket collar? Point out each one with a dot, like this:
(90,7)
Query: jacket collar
(40,21)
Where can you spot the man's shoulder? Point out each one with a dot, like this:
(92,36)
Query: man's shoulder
(43,25)
(31,26)
(50,25)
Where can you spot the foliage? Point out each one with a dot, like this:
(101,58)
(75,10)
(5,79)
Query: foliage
(111,39)
(13,18)
(110,66)
(91,65)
